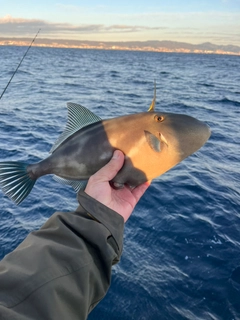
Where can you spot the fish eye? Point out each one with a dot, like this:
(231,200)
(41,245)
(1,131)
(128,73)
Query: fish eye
(158,118)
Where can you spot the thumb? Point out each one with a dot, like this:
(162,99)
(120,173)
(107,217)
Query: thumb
(109,171)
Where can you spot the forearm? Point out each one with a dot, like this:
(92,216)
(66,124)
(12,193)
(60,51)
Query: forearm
(63,270)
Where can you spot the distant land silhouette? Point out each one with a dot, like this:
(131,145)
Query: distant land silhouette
(151,45)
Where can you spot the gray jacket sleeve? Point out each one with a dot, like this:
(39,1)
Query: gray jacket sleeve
(64,269)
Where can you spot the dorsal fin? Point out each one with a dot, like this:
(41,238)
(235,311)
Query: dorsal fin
(78,117)
(152,106)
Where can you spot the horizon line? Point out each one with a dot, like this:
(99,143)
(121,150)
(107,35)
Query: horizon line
(124,45)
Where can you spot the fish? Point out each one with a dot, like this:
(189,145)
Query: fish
(152,142)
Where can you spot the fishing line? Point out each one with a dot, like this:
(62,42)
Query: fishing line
(20,63)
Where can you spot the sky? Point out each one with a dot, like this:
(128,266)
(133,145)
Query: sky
(216,21)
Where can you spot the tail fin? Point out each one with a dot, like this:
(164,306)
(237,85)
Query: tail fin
(15,180)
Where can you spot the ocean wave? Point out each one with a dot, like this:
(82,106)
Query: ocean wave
(182,242)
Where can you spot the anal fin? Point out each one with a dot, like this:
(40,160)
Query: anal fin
(76,184)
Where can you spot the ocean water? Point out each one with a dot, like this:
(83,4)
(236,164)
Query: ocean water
(181,257)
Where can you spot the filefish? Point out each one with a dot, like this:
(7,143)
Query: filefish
(152,142)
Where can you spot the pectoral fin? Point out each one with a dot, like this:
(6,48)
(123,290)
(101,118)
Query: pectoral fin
(153,141)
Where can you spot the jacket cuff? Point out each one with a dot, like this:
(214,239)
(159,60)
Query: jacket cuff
(113,221)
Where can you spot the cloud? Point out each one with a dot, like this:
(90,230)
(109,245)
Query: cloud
(10,26)
(193,27)
(19,27)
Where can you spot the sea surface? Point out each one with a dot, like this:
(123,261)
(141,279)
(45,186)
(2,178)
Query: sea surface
(181,257)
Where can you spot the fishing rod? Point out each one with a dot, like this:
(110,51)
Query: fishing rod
(20,63)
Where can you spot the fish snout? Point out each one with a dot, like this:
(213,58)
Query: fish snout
(184,134)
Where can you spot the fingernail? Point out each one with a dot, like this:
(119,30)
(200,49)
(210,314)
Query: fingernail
(115,154)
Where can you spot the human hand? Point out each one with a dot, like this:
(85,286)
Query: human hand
(121,200)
